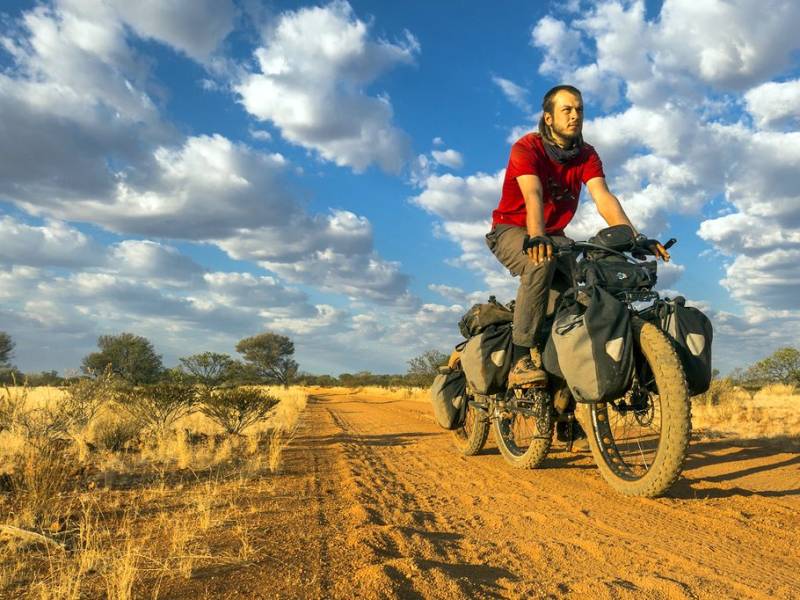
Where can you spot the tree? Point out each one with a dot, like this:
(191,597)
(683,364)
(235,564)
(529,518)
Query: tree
(210,369)
(782,366)
(423,368)
(235,409)
(6,349)
(270,356)
(131,357)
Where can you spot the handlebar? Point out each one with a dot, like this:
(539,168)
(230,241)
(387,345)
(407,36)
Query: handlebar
(572,246)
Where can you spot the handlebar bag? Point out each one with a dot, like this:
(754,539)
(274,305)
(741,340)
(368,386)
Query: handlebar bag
(486,359)
(480,316)
(692,334)
(591,346)
(449,400)
(616,274)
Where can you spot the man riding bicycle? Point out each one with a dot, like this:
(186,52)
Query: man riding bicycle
(539,198)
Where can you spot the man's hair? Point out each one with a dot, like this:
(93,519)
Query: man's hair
(547,101)
(547,107)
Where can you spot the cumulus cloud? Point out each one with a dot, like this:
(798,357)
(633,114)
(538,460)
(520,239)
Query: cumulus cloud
(449,158)
(195,27)
(773,104)
(53,244)
(314,68)
(670,56)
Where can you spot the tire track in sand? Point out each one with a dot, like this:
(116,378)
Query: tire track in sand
(426,522)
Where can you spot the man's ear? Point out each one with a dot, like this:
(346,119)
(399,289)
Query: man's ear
(548,119)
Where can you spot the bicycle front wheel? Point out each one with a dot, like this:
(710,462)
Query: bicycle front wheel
(640,441)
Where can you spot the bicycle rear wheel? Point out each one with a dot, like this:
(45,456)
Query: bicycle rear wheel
(471,436)
(524,437)
(640,441)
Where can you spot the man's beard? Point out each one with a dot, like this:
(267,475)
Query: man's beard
(570,137)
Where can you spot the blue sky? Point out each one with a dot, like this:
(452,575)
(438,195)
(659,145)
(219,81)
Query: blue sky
(207,170)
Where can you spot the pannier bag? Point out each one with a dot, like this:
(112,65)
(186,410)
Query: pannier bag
(449,399)
(480,316)
(692,334)
(486,359)
(616,274)
(591,346)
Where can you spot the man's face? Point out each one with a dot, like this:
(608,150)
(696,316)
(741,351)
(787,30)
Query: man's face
(566,121)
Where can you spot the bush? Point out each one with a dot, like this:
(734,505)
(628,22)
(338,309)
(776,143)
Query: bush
(235,409)
(40,477)
(157,406)
(84,397)
(115,434)
(720,392)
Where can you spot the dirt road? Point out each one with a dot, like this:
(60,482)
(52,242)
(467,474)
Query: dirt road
(380,505)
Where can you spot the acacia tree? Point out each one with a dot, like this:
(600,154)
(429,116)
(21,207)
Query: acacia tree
(269,355)
(210,369)
(131,357)
(423,368)
(782,366)
(6,349)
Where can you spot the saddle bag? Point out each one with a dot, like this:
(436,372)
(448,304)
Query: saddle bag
(448,396)
(486,359)
(692,334)
(480,316)
(591,346)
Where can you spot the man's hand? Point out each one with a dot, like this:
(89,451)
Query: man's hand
(653,246)
(538,248)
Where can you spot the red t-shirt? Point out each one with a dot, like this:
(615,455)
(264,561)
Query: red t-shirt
(561,184)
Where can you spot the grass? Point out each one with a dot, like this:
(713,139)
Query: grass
(772,412)
(124,511)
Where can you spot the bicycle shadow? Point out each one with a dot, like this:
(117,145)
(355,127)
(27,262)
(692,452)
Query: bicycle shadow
(727,460)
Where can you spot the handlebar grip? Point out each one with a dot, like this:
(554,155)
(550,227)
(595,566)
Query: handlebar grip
(670,243)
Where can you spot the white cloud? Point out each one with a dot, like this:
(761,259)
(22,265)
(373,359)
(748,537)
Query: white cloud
(260,135)
(449,158)
(151,261)
(461,199)
(562,45)
(517,95)
(53,244)
(773,104)
(314,68)
(196,27)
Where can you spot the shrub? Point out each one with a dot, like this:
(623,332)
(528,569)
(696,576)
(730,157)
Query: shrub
(157,406)
(235,409)
(41,475)
(84,397)
(115,434)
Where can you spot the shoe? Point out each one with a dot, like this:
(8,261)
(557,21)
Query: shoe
(528,370)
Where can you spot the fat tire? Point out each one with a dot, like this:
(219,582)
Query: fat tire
(533,457)
(470,440)
(676,418)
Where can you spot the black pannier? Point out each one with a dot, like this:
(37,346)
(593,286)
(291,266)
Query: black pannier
(486,359)
(591,345)
(616,274)
(480,316)
(692,334)
(448,396)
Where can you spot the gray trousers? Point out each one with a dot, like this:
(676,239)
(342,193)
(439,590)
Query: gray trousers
(539,285)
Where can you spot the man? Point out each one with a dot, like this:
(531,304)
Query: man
(540,196)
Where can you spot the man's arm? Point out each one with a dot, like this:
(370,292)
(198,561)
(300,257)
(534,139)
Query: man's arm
(531,188)
(611,210)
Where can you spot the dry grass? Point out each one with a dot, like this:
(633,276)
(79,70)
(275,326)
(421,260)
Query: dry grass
(126,512)
(772,412)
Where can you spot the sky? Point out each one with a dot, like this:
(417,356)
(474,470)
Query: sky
(200,171)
